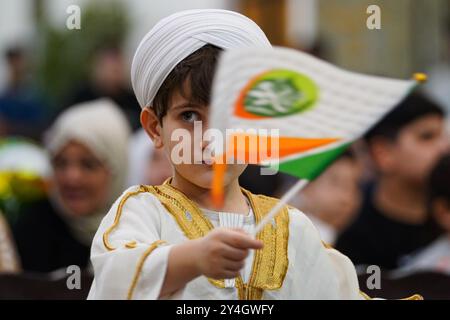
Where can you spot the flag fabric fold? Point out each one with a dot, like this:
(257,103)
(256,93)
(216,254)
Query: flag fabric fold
(315,108)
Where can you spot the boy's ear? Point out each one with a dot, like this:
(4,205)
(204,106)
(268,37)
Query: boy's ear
(152,126)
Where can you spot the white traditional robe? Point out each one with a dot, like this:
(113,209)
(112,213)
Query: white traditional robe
(130,261)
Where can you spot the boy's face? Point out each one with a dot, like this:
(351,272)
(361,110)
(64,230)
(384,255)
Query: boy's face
(415,150)
(181,114)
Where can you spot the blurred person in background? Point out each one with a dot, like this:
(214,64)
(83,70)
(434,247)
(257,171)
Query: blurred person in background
(333,199)
(109,79)
(436,256)
(147,165)
(447,126)
(158,169)
(88,149)
(270,185)
(22,109)
(439,74)
(9,262)
(25,173)
(393,219)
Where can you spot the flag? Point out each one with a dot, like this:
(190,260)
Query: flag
(316,108)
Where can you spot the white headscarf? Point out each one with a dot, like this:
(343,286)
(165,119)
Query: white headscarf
(102,127)
(140,151)
(177,36)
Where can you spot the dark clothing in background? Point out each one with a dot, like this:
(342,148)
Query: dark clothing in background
(24,112)
(44,241)
(376,239)
(252,180)
(125,99)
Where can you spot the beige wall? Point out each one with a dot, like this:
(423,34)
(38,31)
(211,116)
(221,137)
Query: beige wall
(409,40)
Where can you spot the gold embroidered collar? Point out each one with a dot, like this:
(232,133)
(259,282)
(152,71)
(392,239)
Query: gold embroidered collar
(270,264)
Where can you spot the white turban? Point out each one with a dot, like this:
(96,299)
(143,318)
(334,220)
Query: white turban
(177,36)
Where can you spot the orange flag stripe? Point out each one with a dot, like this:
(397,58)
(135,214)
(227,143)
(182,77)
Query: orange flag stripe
(255,149)
(260,152)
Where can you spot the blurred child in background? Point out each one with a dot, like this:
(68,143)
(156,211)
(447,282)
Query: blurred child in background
(332,200)
(436,256)
(393,219)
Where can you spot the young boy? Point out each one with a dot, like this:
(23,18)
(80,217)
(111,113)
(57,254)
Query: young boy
(166,241)
(392,221)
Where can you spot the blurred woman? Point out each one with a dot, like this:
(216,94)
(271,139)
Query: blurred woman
(88,149)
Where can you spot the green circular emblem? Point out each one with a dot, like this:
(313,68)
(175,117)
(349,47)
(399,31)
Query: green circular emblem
(280,93)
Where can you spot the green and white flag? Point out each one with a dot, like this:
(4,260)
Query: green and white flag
(317,108)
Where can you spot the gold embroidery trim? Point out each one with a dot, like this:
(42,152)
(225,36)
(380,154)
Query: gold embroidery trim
(247,292)
(269,264)
(414,297)
(365,295)
(327,245)
(106,242)
(140,264)
(177,204)
(131,245)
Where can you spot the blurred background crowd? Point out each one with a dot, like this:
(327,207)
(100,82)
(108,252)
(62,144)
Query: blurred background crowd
(70,138)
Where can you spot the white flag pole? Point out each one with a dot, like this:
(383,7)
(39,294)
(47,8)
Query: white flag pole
(299,185)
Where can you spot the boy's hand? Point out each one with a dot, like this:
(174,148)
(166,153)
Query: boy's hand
(221,253)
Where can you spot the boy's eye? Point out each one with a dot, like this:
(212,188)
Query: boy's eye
(190,116)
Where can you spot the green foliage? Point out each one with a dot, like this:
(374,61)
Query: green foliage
(65,55)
